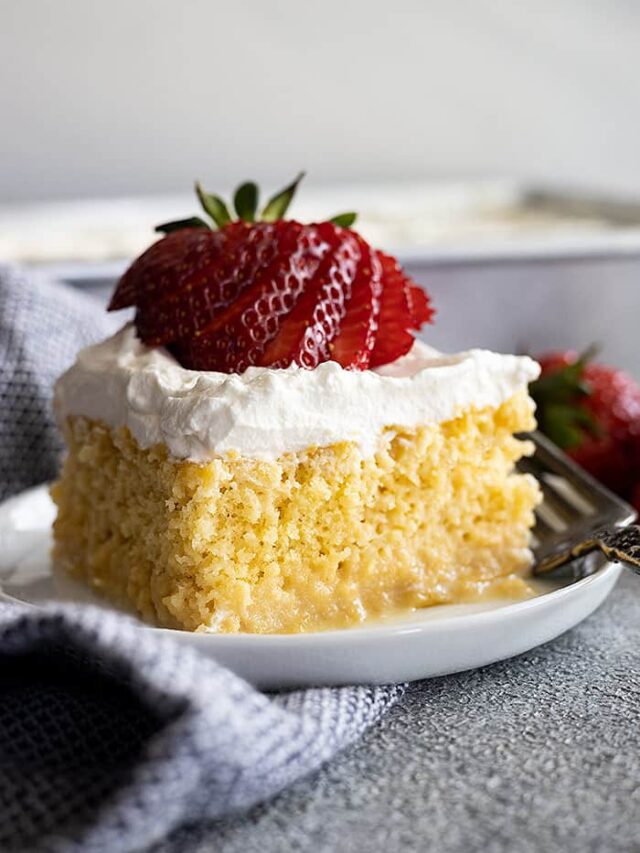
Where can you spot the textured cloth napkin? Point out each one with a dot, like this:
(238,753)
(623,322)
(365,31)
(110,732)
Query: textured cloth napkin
(111,736)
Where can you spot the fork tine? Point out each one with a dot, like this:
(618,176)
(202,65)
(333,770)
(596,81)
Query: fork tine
(543,529)
(575,505)
(555,461)
(554,499)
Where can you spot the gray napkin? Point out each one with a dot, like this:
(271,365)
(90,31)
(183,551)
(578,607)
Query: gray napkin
(111,736)
(42,327)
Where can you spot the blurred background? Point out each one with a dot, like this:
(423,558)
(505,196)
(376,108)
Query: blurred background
(139,96)
(493,145)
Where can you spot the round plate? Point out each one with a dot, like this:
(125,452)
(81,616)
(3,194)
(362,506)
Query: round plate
(422,644)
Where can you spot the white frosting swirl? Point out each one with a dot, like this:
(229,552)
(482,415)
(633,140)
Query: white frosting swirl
(262,412)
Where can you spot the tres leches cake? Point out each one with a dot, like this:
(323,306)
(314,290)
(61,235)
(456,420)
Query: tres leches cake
(267,448)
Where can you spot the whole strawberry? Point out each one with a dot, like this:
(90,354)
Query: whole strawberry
(270,293)
(593,413)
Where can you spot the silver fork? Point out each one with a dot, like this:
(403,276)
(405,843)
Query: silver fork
(578,517)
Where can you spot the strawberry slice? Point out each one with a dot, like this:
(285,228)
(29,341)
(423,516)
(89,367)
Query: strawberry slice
(305,333)
(403,307)
(237,336)
(353,345)
(161,269)
(420,308)
(208,280)
(212,279)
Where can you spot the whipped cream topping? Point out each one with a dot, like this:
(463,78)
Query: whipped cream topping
(262,413)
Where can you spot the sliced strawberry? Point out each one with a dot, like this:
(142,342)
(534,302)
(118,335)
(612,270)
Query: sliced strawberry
(306,332)
(210,281)
(236,337)
(270,292)
(353,345)
(162,268)
(394,338)
(210,272)
(420,308)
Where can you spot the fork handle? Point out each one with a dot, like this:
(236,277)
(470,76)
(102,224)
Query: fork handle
(618,544)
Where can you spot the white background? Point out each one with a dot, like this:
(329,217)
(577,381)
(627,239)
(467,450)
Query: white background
(128,96)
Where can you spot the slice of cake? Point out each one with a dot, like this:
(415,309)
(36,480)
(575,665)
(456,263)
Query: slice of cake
(267,449)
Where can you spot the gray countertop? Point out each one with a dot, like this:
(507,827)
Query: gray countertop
(535,754)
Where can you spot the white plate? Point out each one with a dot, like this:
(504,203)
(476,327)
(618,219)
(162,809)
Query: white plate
(423,644)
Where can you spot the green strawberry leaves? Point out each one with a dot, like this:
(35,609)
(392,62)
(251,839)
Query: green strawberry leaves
(245,201)
(559,396)
(179,224)
(278,204)
(344,220)
(245,208)
(214,206)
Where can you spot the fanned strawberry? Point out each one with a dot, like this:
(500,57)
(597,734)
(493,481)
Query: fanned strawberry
(270,293)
